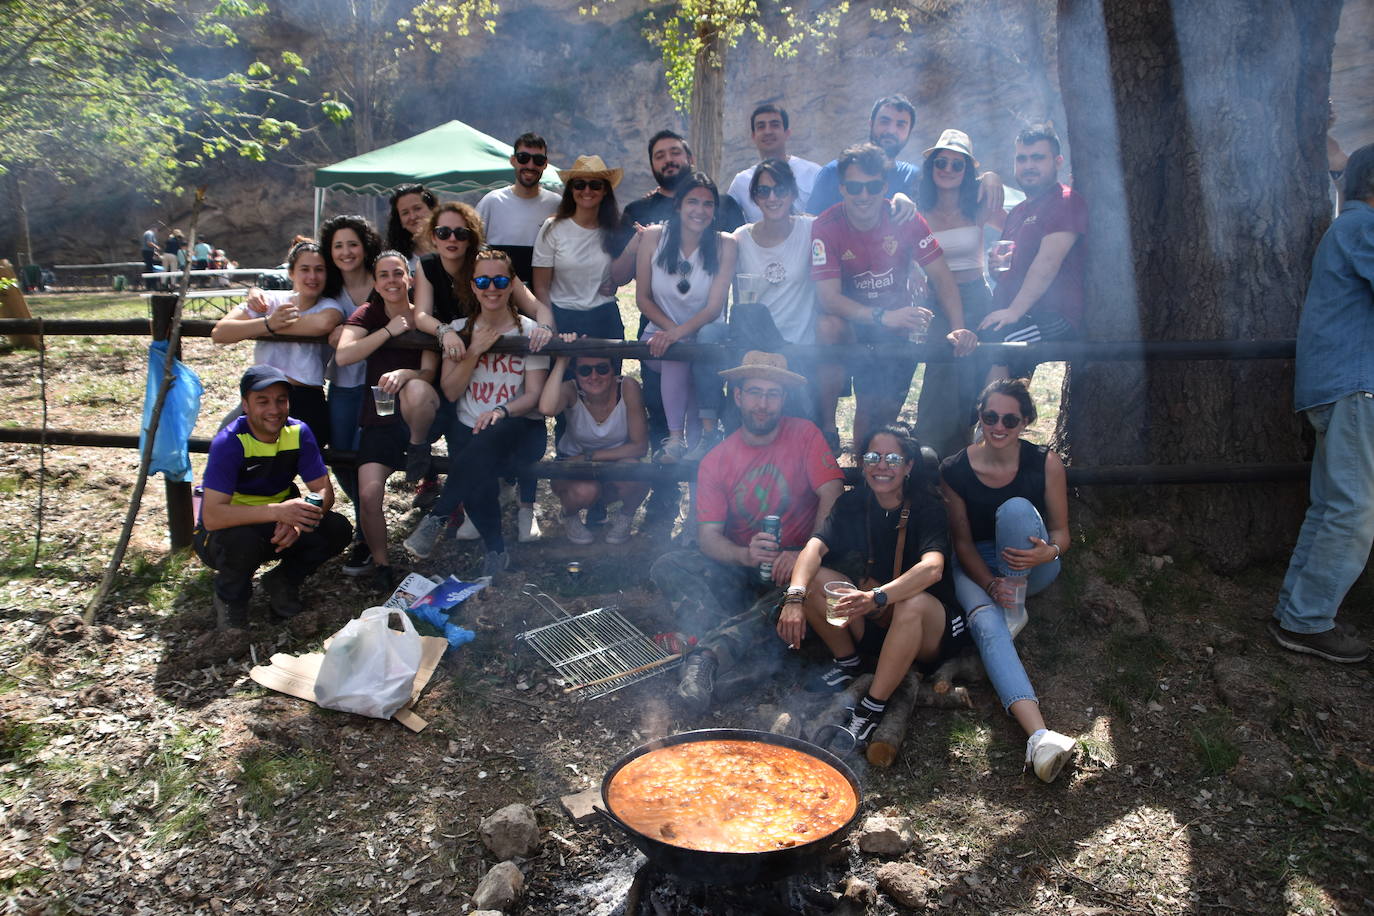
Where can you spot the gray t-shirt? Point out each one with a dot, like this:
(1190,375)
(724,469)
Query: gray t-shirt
(511,220)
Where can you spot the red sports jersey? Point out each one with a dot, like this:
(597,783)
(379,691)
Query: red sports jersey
(873,266)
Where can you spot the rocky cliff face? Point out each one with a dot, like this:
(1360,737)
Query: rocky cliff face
(594,85)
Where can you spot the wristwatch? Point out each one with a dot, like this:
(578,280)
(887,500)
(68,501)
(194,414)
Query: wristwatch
(879,597)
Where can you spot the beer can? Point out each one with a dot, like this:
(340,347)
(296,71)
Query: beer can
(772,524)
(574,571)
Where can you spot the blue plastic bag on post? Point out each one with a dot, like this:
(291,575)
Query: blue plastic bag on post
(171,455)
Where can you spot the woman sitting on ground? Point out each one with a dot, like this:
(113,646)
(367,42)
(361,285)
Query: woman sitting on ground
(894,532)
(682,279)
(497,397)
(301,311)
(1009,516)
(605,422)
(407,228)
(404,373)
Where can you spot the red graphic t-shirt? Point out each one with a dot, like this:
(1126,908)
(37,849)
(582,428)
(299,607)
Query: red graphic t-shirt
(873,266)
(1057,210)
(738,484)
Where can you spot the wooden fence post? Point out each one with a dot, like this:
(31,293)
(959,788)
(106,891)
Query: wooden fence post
(180,515)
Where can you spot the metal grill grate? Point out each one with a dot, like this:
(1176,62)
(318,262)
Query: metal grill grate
(597,652)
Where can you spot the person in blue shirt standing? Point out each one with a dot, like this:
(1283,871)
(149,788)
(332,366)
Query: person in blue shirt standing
(1334,387)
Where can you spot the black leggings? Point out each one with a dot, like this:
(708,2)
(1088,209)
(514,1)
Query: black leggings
(476,462)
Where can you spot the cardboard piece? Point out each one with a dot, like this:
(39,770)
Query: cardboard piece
(295,676)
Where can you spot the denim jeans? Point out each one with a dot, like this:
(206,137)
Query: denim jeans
(345,405)
(1017,521)
(1335,538)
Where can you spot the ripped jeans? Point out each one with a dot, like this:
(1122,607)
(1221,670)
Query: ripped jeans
(1017,520)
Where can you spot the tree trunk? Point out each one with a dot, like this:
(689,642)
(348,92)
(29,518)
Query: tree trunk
(708,100)
(21,220)
(1198,133)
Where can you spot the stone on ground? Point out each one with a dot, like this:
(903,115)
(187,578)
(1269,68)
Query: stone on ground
(886,836)
(499,888)
(511,831)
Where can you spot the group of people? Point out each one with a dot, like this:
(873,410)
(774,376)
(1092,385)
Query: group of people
(175,254)
(849,252)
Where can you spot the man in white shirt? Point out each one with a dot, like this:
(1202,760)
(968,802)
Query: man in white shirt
(768,126)
(511,216)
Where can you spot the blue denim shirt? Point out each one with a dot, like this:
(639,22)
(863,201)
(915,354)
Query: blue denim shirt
(1336,331)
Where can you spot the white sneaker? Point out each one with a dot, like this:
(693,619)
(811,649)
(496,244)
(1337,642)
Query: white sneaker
(1047,752)
(618,531)
(467,531)
(528,526)
(421,541)
(575,530)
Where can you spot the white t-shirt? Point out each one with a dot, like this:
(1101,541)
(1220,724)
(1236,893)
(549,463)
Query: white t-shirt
(499,377)
(301,362)
(511,220)
(804,170)
(789,293)
(579,263)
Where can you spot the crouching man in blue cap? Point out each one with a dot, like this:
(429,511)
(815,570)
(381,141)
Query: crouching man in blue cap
(252,511)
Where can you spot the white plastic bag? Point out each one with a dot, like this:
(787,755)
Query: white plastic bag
(370,668)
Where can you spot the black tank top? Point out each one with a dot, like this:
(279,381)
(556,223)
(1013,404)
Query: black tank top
(982,500)
(446,306)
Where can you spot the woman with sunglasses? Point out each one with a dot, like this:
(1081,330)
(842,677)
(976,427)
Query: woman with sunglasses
(605,422)
(682,277)
(893,536)
(1008,510)
(777,250)
(948,199)
(572,252)
(411,206)
(497,398)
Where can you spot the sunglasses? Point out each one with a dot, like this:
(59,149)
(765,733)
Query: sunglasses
(485,282)
(855,188)
(525,158)
(893,459)
(953,165)
(684,285)
(584,184)
(765,191)
(1009,420)
(461,233)
(599,369)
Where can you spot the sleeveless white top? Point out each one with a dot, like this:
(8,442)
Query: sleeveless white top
(963,247)
(583,435)
(676,304)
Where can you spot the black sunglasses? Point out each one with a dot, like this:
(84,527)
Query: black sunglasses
(524,158)
(765,191)
(893,459)
(461,233)
(1009,420)
(583,184)
(599,369)
(684,285)
(874,187)
(484,282)
(954,165)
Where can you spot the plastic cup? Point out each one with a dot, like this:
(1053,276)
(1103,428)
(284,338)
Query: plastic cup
(385,401)
(1000,257)
(1016,610)
(748,288)
(834,591)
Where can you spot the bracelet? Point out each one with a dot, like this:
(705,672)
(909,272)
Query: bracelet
(267,323)
(388,332)
(988,588)
(792,599)
(545,327)
(1056,549)
(505,411)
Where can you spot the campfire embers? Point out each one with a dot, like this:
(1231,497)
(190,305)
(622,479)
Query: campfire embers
(655,892)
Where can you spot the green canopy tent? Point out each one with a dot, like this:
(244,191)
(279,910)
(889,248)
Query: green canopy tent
(452,157)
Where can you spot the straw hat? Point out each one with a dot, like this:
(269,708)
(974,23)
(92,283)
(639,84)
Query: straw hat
(590,167)
(955,141)
(758,364)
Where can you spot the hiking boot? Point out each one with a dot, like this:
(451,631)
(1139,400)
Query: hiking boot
(359,560)
(417,461)
(426,494)
(708,441)
(283,593)
(1338,644)
(495,563)
(422,539)
(527,526)
(575,530)
(385,579)
(619,530)
(230,615)
(1047,752)
(698,682)
(832,680)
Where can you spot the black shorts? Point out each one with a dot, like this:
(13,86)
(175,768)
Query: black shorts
(384,445)
(1030,329)
(955,640)
(888,378)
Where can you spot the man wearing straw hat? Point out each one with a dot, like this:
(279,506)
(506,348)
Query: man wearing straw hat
(512,215)
(772,465)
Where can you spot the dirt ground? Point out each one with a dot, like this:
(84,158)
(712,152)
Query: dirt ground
(143,772)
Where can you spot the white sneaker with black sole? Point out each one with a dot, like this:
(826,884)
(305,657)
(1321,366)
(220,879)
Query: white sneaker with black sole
(1047,752)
